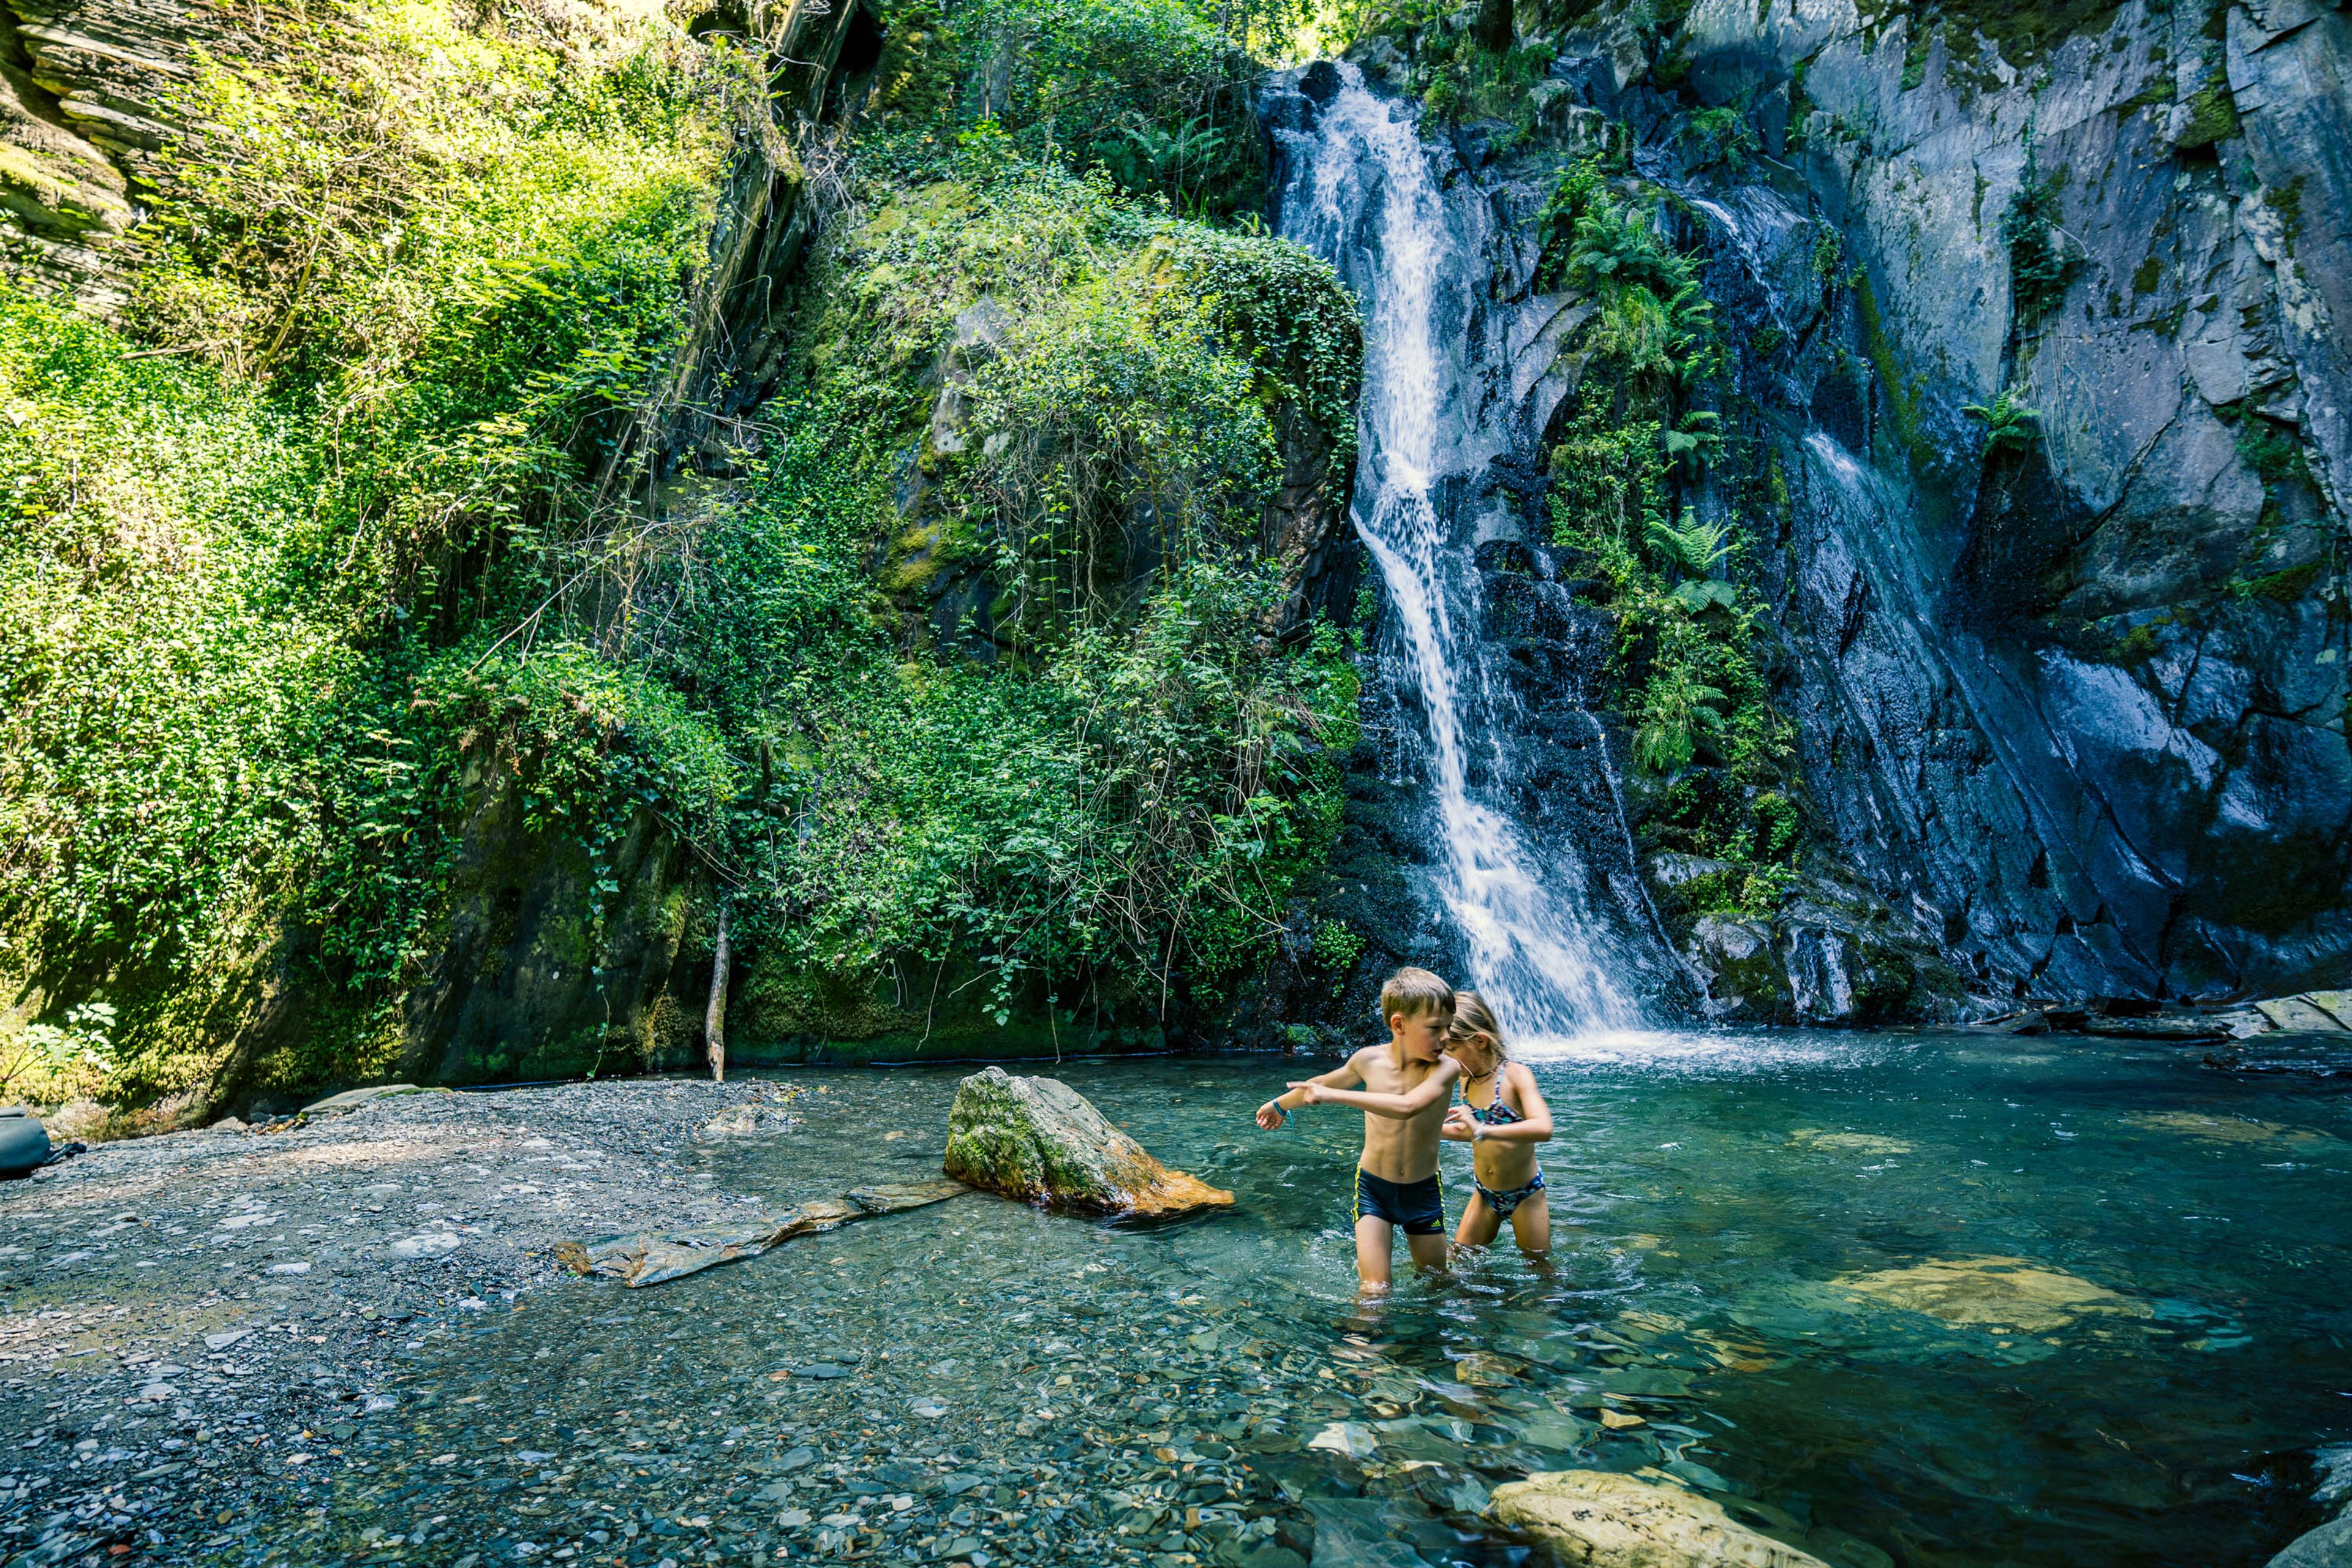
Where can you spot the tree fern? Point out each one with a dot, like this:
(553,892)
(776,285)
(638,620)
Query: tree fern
(1693,546)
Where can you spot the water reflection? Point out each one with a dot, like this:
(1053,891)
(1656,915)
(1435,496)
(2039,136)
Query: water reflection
(1895,1298)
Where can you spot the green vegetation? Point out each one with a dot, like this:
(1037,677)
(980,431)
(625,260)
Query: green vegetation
(249,562)
(2009,424)
(2283,587)
(2041,260)
(1724,135)
(2270,449)
(1155,92)
(1656,319)
(1829,256)
(2213,115)
(357,529)
(1465,65)
(1715,755)
(2023,31)
(1139,368)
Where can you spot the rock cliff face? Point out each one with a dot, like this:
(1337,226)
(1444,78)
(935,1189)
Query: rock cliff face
(2071,704)
(83,89)
(88,100)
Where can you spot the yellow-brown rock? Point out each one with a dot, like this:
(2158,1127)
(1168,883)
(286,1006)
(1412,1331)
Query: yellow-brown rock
(1598,1518)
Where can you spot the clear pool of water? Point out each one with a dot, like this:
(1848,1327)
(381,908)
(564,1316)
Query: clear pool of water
(1911,1299)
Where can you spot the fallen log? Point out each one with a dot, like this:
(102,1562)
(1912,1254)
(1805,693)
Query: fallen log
(654,1258)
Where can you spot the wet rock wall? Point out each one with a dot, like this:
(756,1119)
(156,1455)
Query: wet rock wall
(2109,743)
(2071,709)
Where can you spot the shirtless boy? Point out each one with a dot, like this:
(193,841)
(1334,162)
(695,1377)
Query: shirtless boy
(1402,1089)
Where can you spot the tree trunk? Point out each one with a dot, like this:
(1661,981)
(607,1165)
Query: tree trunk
(1493,26)
(714,1018)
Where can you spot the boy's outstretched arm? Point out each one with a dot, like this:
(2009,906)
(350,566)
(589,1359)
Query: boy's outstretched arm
(1437,1086)
(1272,1114)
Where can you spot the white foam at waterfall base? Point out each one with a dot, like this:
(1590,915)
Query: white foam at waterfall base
(1361,194)
(1702,1052)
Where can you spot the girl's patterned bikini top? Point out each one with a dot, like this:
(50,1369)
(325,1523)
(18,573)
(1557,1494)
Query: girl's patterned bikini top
(1497,1112)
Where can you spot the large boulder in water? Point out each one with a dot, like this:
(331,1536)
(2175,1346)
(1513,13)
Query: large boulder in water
(1041,1140)
(1597,1519)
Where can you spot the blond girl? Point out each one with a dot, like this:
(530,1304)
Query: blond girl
(1502,1117)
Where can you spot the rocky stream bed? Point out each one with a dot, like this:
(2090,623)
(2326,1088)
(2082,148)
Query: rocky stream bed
(1928,1300)
(196,1325)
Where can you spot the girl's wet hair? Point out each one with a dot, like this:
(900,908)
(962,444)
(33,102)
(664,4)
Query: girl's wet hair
(1473,1017)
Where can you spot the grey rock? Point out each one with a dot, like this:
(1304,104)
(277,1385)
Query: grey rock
(2095,820)
(2181,1030)
(1835,957)
(1378,57)
(1671,870)
(352,1099)
(979,329)
(2302,1014)
(2334,1463)
(2330,1546)
(1602,1519)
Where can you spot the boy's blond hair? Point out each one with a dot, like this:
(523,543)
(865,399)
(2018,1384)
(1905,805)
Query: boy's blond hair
(1413,992)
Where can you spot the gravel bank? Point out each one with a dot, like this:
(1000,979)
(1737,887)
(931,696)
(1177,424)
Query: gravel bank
(191,1324)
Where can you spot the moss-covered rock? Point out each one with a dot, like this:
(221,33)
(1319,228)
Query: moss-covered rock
(1039,1140)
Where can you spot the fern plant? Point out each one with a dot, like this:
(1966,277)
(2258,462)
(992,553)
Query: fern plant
(1613,245)
(2009,424)
(1678,710)
(1698,439)
(1691,342)
(1634,330)
(1177,159)
(1693,547)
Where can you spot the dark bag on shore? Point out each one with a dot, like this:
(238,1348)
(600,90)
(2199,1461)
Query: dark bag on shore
(24,1143)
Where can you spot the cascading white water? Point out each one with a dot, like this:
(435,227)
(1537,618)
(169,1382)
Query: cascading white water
(1358,192)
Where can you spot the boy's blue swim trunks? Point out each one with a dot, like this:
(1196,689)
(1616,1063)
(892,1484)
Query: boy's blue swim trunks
(1416,1208)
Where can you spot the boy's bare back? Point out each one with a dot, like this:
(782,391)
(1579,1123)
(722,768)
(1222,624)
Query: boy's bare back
(1394,1149)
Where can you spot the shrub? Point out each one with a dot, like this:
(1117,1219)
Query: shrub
(1155,92)
(2041,261)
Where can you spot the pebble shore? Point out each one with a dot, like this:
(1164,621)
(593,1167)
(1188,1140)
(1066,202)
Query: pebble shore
(247,1346)
(192,1325)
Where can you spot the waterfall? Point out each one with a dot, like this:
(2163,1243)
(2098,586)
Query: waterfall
(1557,936)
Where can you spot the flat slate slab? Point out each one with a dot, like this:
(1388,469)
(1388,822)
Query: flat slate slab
(2297,1015)
(352,1099)
(654,1258)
